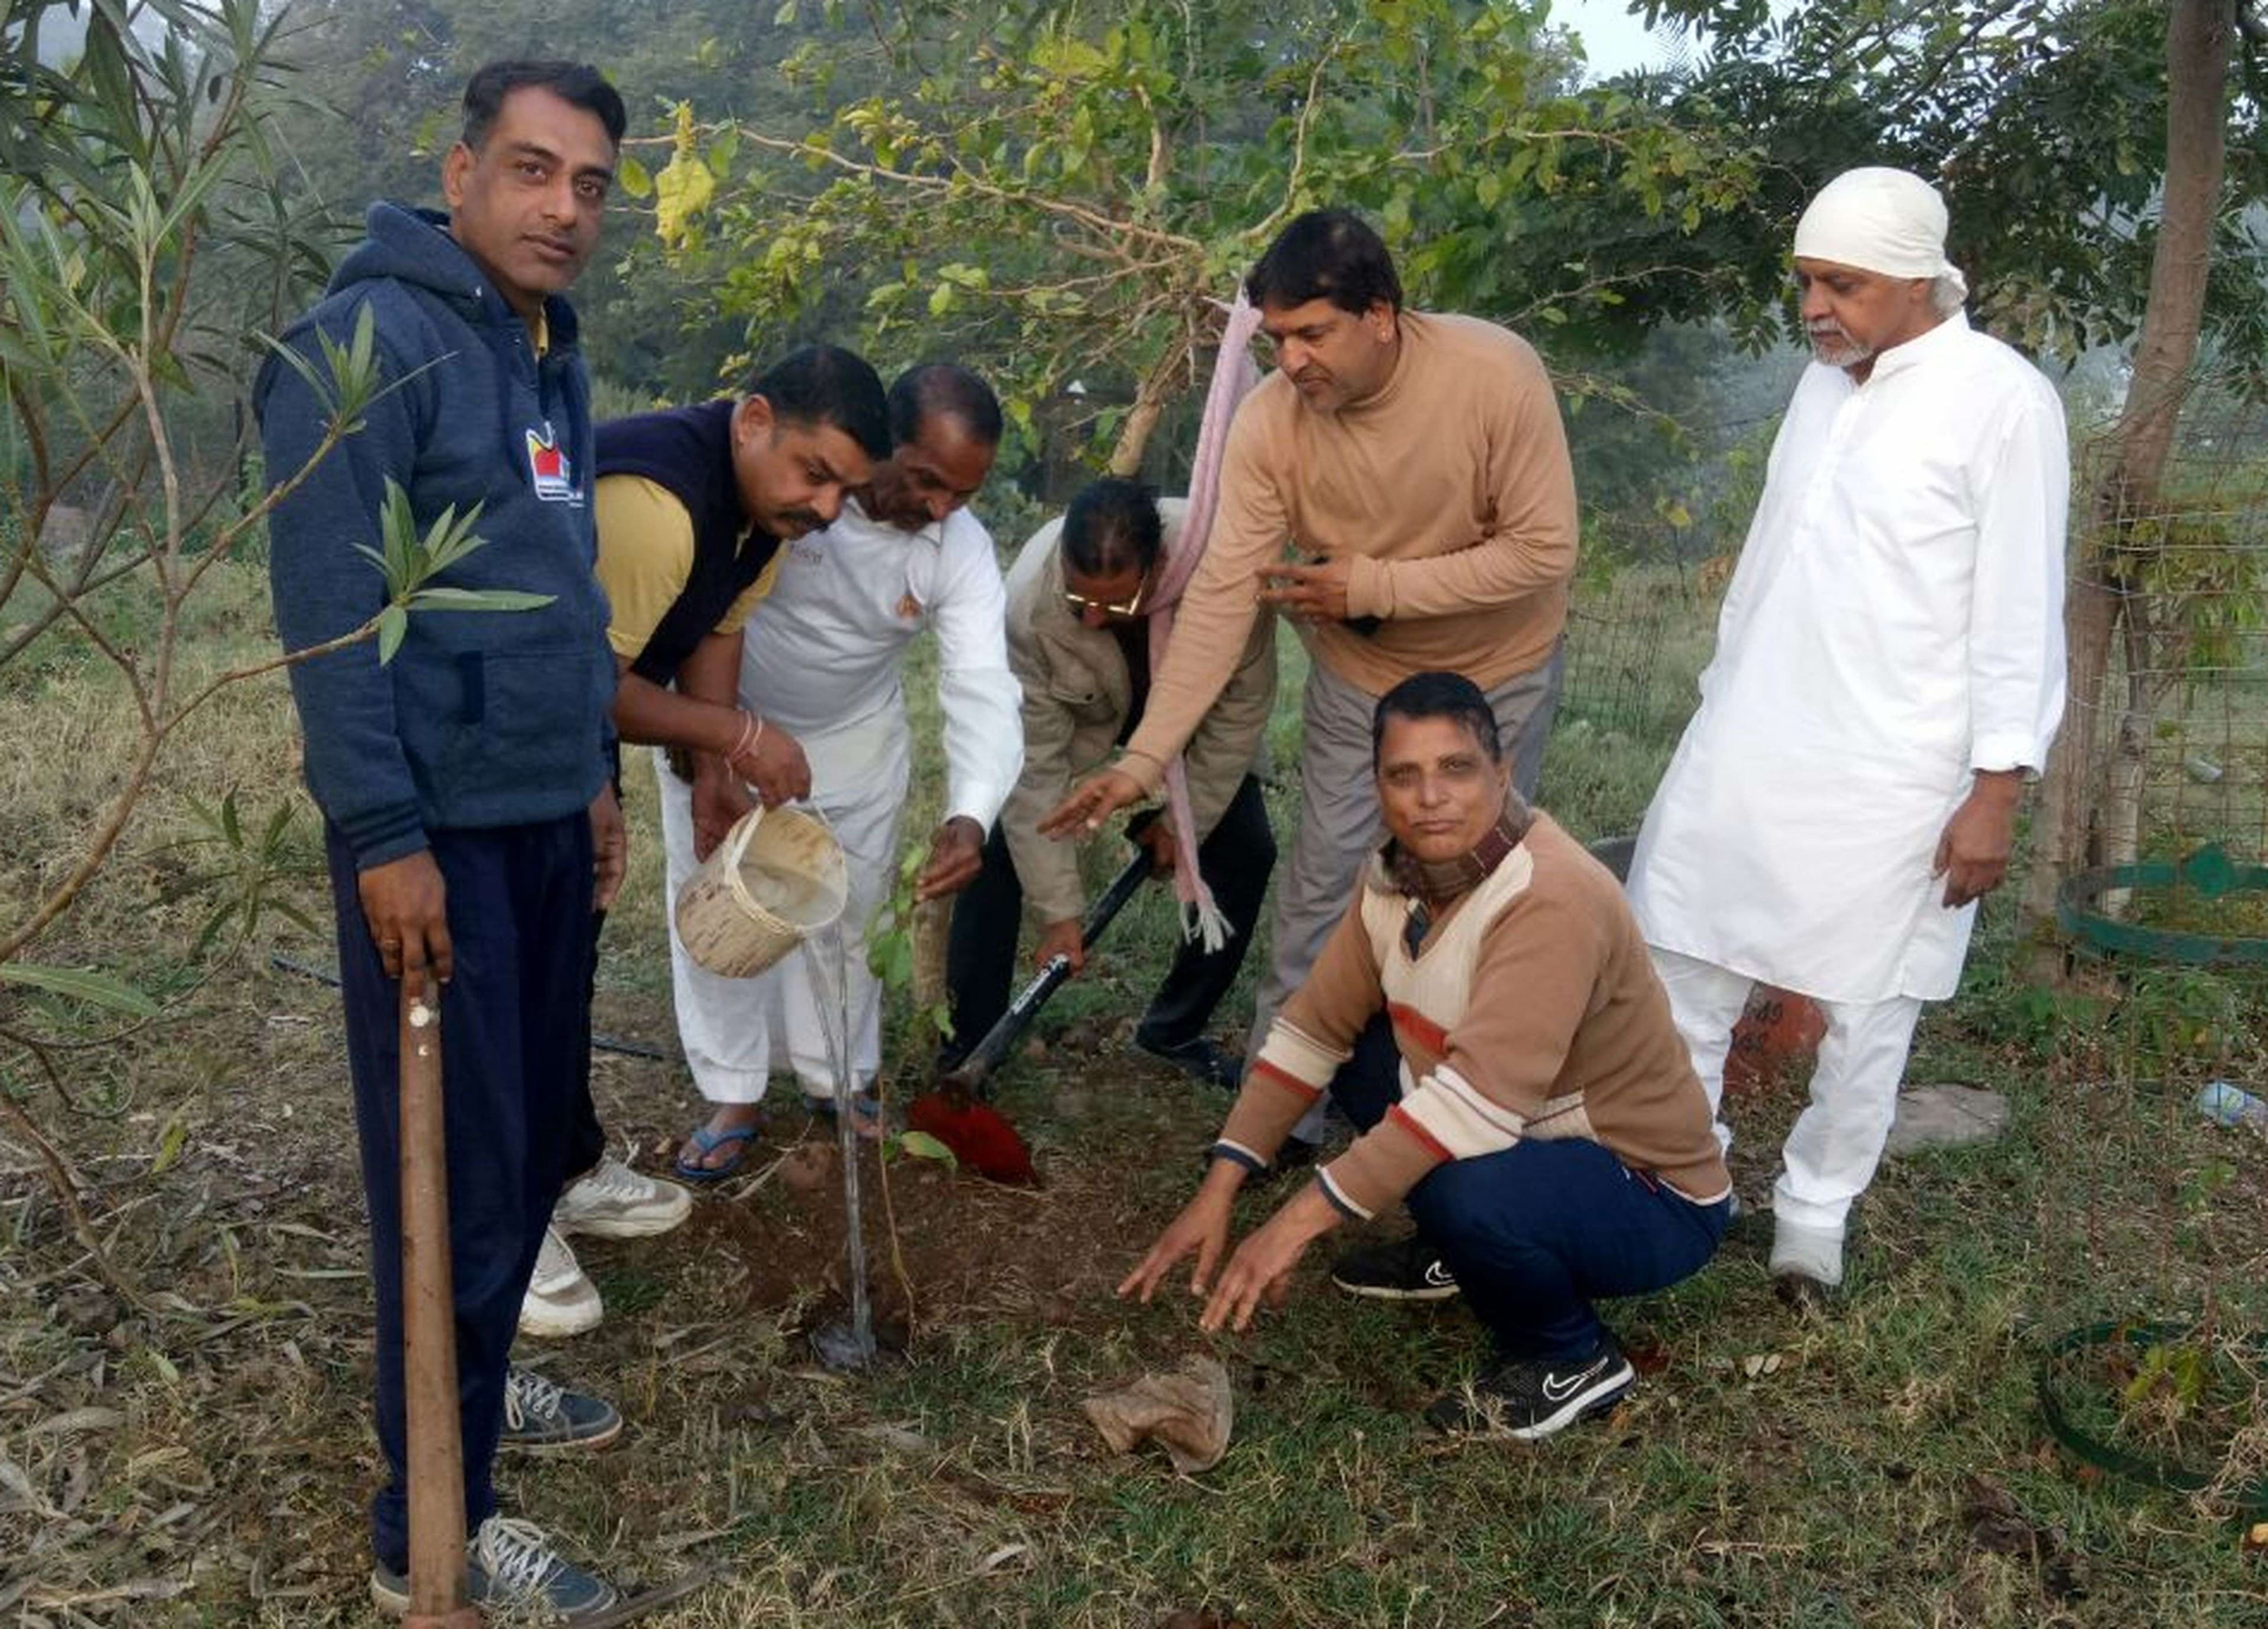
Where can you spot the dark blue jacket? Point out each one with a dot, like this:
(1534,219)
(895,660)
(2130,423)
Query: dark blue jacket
(688,452)
(482,719)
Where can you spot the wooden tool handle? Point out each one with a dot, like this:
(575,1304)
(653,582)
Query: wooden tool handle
(429,1332)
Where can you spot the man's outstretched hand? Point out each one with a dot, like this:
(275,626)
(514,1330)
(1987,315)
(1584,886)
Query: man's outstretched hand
(1200,1230)
(1261,1267)
(1090,803)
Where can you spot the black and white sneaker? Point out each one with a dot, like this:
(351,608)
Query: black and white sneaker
(1528,1398)
(1406,1270)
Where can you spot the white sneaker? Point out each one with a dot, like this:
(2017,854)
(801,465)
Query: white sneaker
(615,1202)
(561,1299)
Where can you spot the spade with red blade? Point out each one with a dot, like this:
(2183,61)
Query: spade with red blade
(980,1136)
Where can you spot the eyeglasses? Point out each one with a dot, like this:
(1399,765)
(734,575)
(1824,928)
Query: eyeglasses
(1128,607)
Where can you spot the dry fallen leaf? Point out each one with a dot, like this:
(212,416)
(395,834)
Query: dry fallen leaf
(1190,1412)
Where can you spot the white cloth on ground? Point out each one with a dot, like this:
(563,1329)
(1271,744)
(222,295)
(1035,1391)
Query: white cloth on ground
(1831,1154)
(1895,624)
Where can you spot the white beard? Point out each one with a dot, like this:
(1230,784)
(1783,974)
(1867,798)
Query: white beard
(1836,349)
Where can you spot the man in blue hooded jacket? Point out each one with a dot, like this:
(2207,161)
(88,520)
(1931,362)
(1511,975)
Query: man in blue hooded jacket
(470,821)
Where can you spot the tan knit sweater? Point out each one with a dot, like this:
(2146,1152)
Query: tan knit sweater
(1450,491)
(1529,1010)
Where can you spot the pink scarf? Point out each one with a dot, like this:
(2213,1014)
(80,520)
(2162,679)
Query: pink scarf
(1233,374)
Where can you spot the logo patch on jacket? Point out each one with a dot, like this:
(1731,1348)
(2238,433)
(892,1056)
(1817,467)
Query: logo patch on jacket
(548,468)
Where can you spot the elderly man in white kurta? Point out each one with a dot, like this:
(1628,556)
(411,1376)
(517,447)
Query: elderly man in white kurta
(1889,671)
(822,657)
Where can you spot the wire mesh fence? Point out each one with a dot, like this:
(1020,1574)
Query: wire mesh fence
(2175,737)
(2152,1297)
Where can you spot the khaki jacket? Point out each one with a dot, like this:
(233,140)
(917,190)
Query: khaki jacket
(1076,693)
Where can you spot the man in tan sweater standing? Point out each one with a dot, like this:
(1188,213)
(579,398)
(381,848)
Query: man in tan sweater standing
(1547,1129)
(1416,468)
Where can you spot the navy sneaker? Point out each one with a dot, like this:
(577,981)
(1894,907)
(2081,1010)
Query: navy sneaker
(511,1569)
(541,1414)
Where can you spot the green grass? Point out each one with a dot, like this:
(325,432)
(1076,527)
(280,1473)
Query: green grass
(221,1479)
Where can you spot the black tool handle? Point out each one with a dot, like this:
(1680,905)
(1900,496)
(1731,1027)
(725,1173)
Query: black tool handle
(971,1072)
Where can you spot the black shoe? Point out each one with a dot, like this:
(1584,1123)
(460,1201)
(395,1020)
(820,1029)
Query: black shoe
(540,1413)
(1528,1398)
(1200,1059)
(1406,1270)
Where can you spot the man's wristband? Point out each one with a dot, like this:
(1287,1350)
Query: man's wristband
(1252,1163)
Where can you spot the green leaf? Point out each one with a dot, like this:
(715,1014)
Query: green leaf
(393,623)
(922,1146)
(94,989)
(171,1141)
(477,599)
(634,177)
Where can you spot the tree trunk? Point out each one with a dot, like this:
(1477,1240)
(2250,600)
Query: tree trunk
(1149,406)
(2078,805)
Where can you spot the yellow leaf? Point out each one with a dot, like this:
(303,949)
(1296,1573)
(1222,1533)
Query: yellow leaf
(681,192)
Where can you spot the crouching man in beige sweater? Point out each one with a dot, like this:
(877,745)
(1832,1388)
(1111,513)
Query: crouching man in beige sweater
(1545,1128)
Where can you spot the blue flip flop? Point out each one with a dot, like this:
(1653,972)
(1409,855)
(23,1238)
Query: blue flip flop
(707,1142)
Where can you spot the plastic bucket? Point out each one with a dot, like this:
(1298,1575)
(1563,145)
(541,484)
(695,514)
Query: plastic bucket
(777,877)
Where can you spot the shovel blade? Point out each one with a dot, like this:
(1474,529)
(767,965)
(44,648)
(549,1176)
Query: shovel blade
(979,1135)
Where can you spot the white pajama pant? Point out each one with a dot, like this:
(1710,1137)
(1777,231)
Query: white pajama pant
(737,1031)
(1830,1155)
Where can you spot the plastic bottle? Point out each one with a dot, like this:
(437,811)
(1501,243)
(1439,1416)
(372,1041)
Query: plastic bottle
(2226,1103)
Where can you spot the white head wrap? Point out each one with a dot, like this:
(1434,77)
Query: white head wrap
(1879,219)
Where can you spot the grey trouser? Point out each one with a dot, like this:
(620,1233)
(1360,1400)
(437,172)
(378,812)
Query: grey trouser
(1339,822)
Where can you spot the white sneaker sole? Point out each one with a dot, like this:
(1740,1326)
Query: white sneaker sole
(544,1319)
(560,1445)
(1428,1291)
(622,1227)
(1380,1292)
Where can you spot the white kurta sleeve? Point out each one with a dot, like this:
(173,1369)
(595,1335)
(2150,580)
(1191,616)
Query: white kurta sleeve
(2016,622)
(981,699)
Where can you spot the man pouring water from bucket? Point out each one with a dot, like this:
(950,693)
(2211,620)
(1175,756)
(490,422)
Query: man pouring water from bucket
(823,656)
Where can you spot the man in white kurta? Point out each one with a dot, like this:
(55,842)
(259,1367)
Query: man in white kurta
(1889,671)
(822,657)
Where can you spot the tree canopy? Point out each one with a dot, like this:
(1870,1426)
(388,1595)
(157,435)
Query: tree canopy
(2042,120)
